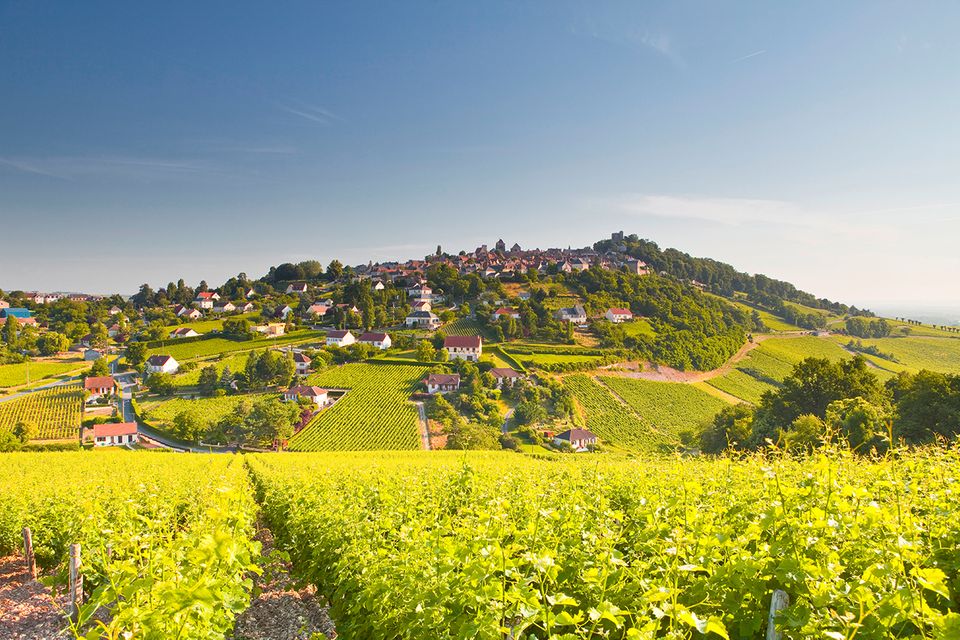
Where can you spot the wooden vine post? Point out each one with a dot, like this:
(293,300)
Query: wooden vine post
(28,553)
(76,582)
(778,602)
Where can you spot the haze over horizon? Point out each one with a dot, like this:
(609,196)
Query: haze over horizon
(813,143)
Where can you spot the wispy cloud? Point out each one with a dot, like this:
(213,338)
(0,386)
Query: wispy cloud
(72,167)
(759,52)
(310,112)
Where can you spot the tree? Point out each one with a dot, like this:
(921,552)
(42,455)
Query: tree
(271,420)
(730,429)
(189,425)
(99,368)
(10,332)
(927,406)
(99,336)
(161,384)
(52,343)
(529,412)
(237,328)
(209,380)
(136,353)
(859,422)
(425,351)
(471,435)
(335,270)
(24,431)
(806,433)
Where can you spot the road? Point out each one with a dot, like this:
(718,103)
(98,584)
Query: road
(506,421)
(126,382)
(424,427)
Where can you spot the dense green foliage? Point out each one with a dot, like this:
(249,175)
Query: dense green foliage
(166,541)
(497,545)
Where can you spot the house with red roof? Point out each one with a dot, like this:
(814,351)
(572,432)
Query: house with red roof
(205,299)
(504,376)
(316,395)
(375,339)
(302,363)
(99,386)
(442,382)
(463,347)
(617,315)
(115,435)
(509,312)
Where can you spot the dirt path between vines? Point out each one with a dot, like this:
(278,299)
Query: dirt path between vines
(281,611)
(27,609)
(662,373)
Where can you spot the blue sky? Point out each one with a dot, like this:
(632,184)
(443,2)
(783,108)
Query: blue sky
(815,142)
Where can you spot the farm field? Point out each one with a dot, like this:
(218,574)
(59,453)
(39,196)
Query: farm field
(179,529)
(793,350)
(719,535)
(611,420)
(670,408)
(216,324)
(742,385)
(462,327)
(56,412)
(376,412)
(639,327)
(537,359)
(160,414)
(214,346)
(15,375)
(935,354)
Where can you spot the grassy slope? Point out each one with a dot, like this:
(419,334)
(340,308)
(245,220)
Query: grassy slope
(669,407)
(14,375)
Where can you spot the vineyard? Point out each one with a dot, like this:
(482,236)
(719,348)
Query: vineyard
(55,412)
(613,422)
(14,375)
(496,545)
(670,407)
(236,362)
(935,354)
(213,346)
(462,327)
(376,412)
(165,540)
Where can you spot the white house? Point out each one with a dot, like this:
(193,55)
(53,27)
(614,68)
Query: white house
(297,287)
(283,312)
(504,376)
(114,310)
(162,364)
(272,329)
(575,314)
(422,320)
(249,294)
(302,363)
(115,435)
(247,307)
(205,299)
(374,339)
(114,330)
(315,394)
(186,312)
(422,305)
(340,338)
(378,285)
(420,291)
(442,382)
(317,310)
(92,354)
(224,307)
(183,332)
(463,347)
(579,439)
(617,315)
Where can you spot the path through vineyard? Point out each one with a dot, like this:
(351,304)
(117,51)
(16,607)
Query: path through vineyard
(27,610)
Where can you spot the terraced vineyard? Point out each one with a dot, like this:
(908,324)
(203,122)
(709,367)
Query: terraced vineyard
(670,407)
(214,346)
(462,327)
(376,412)
(56,412)
(935,354)
(612,421)
(14,375)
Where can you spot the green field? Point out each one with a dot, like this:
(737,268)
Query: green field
(915,353)
(535,359)
(160,414)
(55,412)
(610,420)
(15,375)
(376,412)
(462,327)
(669,407)
(639,327)
(742,385)
(215,346)
(793,350)
(215,324)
